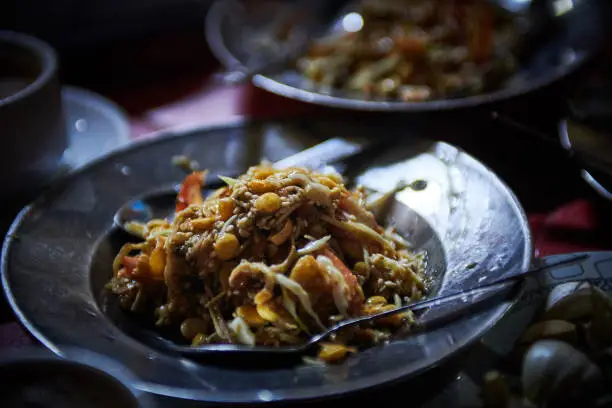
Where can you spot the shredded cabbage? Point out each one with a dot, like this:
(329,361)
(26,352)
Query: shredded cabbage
(242,331)
(381,261)
(301,294)
(290,306)
(288,284)
(398,239)
(358,229)
(313,246)
(314,190)
(341,288)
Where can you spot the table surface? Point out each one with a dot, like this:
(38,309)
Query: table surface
(168,82)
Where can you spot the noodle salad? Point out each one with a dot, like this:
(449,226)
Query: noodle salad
(415,50)
(270,259)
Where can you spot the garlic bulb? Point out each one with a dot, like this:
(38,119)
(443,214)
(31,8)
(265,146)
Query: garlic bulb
(550,329)
(580,302)
(553,370)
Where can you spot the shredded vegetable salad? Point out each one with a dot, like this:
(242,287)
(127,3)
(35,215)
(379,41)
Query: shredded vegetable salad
(270,259)
(415,50)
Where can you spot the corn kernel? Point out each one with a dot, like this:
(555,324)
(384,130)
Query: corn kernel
(275,313)
(262,186)
(202,224)
(336,177)
(157,262)
(226,208)
(327,182)
(226,246)
(250,316)
(263,172)
(361,269)
(269,202)
(305,270)
(376,301)
(333,353)
(263,296)
(393,320)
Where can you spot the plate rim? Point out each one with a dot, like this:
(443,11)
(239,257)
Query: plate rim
(224,397)
(218,48)
(113,114)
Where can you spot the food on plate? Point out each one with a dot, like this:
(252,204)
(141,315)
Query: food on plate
(415,50)
(271,259)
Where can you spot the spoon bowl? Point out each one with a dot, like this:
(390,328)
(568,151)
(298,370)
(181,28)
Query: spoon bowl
(143,209)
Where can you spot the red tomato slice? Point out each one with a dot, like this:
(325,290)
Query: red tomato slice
(191,191)
(356,295)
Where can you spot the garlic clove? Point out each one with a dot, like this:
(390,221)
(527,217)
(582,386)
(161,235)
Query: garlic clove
(550,329)
(569,301)
(554,370)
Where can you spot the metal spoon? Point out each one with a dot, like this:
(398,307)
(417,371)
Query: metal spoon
(448,308)
(338,152)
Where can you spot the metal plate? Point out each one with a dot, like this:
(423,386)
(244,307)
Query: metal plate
(95,126)
(576,34)
(59,251)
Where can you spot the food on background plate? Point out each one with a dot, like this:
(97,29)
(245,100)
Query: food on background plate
(271,259)
(415,50)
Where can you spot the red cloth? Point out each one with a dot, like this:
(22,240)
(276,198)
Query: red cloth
(573,227)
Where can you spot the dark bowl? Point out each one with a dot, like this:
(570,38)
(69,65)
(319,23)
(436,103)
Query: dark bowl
(36,378)
(33,135)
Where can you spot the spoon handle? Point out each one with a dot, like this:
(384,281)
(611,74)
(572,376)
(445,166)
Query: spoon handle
(330,152)
(474,296)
